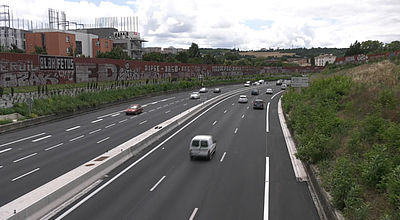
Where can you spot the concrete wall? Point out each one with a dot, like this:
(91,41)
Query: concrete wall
(27,70)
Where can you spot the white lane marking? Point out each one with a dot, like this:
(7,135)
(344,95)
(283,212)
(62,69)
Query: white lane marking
(103,140)
(163,100)
(152,110)
(176,101)
(223,156)
(112,116)
(23,158)
(1,167)
(39,139)
(159,107)
(167,111)
(193,214)
(133,164)
(74,139)
(236,130)
(144,113)
(73,128)
(53,147)
(165,105)
(233,103)
(96,120)
(225,111)
(110,125)
(182,100)
(155,186)
(277,94)
(13,142)
(5,150)
(215,122)
(123,121)
(248,107)
(145,105)
(26,174)
(266,193)
(103,116)
(154,103)
(242,116)
(142,122)
(185,104)
(133,116)
(267,122)
(171,103)
(92,132)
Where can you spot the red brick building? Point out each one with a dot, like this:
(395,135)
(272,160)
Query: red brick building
(101,45)
(55,43)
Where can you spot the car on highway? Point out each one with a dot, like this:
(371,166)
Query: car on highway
(255,92)
(202,146)
(269,91)
(279,82)
(217,90)
(258,104)
(256,83)
(134,109)
(247,85)
(243,99)
(203,90)
(195,95)
(261,81)
(283,86)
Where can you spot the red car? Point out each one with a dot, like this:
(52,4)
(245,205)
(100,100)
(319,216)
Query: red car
(134,109)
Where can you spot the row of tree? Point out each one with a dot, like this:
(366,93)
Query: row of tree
(372,47)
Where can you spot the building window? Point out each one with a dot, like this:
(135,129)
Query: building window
(67,50)
(67,39)
(106,44)
(98,43)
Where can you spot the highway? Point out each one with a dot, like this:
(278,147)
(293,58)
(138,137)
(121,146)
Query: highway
(250,176)
(33,156)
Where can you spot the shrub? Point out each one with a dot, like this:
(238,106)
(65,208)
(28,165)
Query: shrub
(6,121)
(342,181)
(355,207)
(375,166)
(393,188)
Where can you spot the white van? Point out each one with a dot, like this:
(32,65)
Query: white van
(202,146)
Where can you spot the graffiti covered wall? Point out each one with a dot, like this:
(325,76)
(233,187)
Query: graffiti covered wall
(27,70)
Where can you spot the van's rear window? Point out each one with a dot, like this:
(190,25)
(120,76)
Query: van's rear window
(204,144)
(195,143)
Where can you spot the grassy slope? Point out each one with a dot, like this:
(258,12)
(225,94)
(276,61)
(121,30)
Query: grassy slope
(348,124)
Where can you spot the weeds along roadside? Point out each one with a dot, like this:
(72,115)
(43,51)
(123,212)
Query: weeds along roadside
(351,131)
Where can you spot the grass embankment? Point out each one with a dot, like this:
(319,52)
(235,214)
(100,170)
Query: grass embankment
(62,103)
(348,124)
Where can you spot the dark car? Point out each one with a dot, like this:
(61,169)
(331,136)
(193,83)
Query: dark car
(217,90)
(258,104)
(255,92)
(134,109)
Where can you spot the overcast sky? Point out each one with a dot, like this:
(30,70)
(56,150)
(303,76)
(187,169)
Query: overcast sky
(244,24)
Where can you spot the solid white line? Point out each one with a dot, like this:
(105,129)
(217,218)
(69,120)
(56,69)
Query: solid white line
(110,125)
(133,164)
(53,147)
(23,158)
(236,130)
(112,116)
(70,129)
(159,107)
(277,94)
(223,156)
(13,142)
(225,111)
(193,214)
(26,174)
(242,116)
(103,116)
(96,121)
(267,118)
(145,105)
(215,122)
(162,178)
(74,139)
(39,139)
(103,140)
(142,122)
(266,193)
(5,150)
(167,111)
(92,132)
(123,121)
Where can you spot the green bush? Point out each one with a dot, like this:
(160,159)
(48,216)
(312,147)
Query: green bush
(355,207)
(375,166)
(342,181)
(6,121)
(393,189)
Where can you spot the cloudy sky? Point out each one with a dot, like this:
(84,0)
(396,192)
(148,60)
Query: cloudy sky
(244,24)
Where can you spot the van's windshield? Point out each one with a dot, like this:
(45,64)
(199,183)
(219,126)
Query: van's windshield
(204,144)
(195,143)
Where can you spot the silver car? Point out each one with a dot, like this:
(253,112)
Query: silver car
(202,146)
(194,95)
(243,99)
(269,91)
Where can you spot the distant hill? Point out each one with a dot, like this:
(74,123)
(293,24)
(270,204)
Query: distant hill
(266,54)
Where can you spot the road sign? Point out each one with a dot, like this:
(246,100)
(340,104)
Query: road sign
(299,82)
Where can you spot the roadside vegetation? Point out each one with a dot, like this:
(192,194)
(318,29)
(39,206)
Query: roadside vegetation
(347,123)
(59,104)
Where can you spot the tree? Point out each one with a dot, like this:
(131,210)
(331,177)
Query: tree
(393,46)
(371,46)
(312,61)
(354,49)
(153,56)
(208,59)
(194,51)
(40,50)
(115,53)
(182,57)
